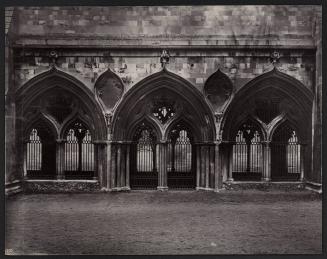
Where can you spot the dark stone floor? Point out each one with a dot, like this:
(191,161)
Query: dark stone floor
(173,222)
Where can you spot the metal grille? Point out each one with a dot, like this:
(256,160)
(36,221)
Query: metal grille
(144,174)
(40,155)
(34,152)
(79,154)
(285,154)
(145,153)
(247,156)
(180,160)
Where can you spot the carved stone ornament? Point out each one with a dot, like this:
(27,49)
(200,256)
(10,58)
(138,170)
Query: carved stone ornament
(163,109)
(109,89)
(218,88)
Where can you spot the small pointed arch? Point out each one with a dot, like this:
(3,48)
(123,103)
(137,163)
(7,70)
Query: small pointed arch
(44,127)
(286,125)
(73,123)
(41,84)
(109,89)
(218,89)
(144,124)
(249,123)
(182,124)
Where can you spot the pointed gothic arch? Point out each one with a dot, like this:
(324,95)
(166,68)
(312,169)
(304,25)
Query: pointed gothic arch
(56,79)
(201,113)
(295,98)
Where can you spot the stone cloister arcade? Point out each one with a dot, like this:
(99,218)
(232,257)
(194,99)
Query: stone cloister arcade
(163,133)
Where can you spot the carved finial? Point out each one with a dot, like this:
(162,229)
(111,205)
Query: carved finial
(274,57)
(164,58)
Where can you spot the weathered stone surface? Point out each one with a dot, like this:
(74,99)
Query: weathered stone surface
(274,22)
(218,89)
(269,186)
(240,66)
(109,88)
(60,186)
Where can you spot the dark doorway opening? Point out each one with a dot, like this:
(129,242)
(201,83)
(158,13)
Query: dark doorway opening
(285,154)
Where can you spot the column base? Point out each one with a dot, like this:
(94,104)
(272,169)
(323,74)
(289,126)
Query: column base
(60,177)
(120,189)
(265,179)
(231,179)
(162,188)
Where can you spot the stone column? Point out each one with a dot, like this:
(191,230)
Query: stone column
(230,161)
(60,158)
(207,166)
(100,159)
(266,161)
(212,166)
(128,148)
(118,166)
(25,159)
(302,164)
(218,171)
(96,161)
(113,167)
(123,166)
(162,162)
(198,165)
(108,165)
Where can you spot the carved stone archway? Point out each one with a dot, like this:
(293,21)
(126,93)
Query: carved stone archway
(163,99)
(59,98)
(267,99)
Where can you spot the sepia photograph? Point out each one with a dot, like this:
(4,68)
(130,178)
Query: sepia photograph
(163,130)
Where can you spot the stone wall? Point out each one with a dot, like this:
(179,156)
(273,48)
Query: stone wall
(240,66)
(317,107)
(200,39)
(243,22)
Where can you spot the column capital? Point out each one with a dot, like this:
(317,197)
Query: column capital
(266,143)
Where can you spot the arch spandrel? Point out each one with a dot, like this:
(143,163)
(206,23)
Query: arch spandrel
(109,89)
(56,80)
(218,89)
(163,82)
